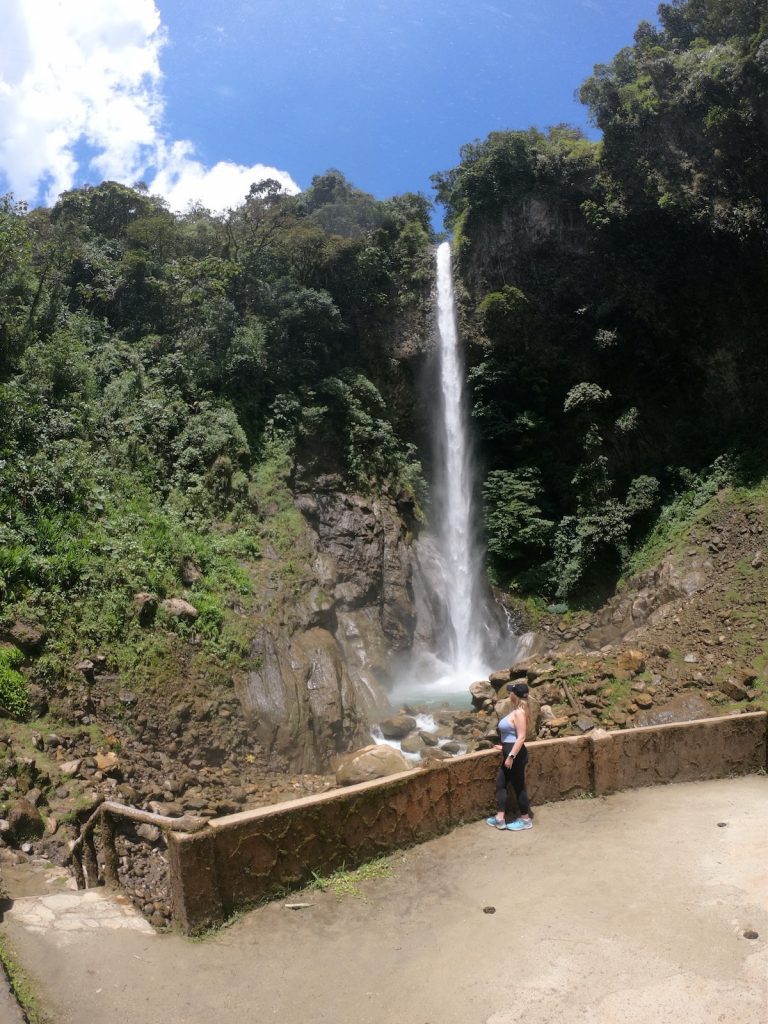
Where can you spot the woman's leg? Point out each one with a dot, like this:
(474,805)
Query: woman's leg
(501,791)
(517,773)
(503,779)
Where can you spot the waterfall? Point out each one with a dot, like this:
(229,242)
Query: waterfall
(453,513)
(469,635)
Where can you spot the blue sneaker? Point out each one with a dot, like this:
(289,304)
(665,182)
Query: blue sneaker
(520,824)
(495,823)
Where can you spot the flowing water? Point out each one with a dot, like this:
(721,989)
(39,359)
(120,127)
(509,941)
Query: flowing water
(454,515)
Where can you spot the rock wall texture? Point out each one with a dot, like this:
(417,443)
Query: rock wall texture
(324,649)
(246,857)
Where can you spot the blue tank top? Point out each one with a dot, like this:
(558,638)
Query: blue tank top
(508,730)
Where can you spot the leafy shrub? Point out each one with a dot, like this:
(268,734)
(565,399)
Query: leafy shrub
(517,530)
(14,698)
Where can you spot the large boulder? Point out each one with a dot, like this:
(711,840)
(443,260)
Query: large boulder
(372,762)
(436,754)
(29,636)
(684,707)
(301,700)
(631,662)
(145,607)
(177,608)
(413,744)
(397,727)
(481,691)
(190,573)
(25,821)
(733,689)
(648,598)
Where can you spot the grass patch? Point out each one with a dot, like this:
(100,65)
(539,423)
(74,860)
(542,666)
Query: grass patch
(347,883)
(616,691)
(21,986)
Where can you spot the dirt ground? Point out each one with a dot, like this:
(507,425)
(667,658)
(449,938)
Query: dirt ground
(629,909)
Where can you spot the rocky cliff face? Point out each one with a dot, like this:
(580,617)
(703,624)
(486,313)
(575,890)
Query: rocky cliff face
(325,652)
(519,245)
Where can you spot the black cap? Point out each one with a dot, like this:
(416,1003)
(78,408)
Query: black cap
(519,689)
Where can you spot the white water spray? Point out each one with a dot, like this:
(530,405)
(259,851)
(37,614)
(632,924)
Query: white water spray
(453,514)
(462,657)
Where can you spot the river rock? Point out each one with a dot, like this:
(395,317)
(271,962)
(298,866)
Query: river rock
(523,669)
(302,701)
(412,744)
(435,754)
(497,679)
(323,666)
(503,708)
(372,762)
(481,691)
(397,727)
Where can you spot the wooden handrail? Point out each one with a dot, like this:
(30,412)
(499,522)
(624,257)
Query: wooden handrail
(84,857)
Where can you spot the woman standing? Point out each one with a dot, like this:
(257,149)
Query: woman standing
(513,728)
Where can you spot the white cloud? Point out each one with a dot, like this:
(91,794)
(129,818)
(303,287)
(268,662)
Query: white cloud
(184,180)
(84,76)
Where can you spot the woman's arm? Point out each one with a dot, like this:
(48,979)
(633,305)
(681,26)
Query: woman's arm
(520,719)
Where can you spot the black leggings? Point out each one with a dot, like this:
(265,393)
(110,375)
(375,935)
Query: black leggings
(514,776)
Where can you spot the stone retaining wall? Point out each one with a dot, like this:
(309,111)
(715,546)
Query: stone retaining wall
(243,858)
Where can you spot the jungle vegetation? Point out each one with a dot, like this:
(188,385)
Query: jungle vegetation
(163,376)
(157,368)
(616,298)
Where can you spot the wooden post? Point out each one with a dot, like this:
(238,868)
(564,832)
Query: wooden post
(77,868)
(90,860)
(109,850)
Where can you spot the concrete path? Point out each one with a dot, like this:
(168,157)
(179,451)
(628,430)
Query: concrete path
(628,910)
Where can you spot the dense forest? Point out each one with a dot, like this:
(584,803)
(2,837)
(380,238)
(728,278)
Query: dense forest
(616,298)
(168,381)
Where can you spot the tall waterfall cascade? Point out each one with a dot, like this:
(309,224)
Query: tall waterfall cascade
(474,632)
(454,490)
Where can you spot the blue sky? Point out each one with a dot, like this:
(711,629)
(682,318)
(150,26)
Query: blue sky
(199,98)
